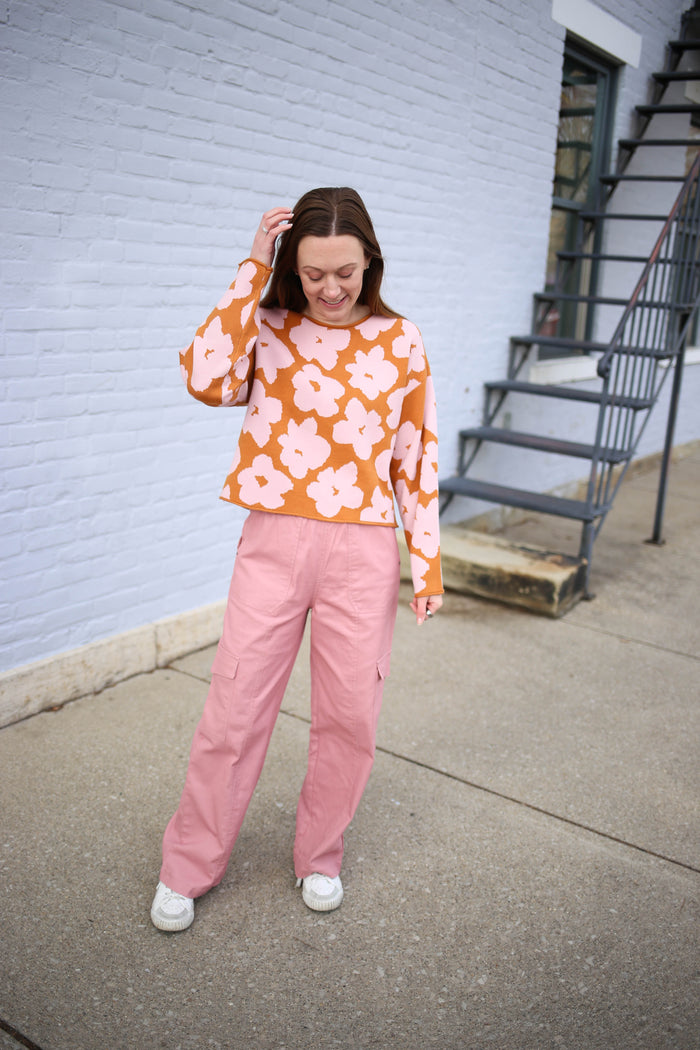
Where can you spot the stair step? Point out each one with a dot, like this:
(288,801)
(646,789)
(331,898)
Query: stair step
(553,342)
(668,107)
(600,300)
(666,78)
(583,345)
(602,257)
(569,297)
(633,143)
(691,44)
(567,393)
(626,216)
(541,443)
(558,506)
(610,180)
(542,581)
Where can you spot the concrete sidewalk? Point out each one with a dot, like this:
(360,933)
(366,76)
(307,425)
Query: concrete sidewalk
(522,873)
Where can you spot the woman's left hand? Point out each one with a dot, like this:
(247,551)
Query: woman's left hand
(425,607)
(273,223)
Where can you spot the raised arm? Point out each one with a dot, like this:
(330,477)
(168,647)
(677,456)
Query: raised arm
(218,365)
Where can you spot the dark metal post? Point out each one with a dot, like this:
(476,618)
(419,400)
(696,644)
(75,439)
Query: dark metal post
(656,536)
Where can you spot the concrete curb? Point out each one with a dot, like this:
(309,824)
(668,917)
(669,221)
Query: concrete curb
(51,682)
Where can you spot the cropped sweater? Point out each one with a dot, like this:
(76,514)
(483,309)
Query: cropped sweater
(337,417)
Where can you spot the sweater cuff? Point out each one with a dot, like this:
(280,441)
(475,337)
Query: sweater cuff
(260,265)
(427,578)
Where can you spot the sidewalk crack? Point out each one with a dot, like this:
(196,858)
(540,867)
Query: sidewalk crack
(609,836)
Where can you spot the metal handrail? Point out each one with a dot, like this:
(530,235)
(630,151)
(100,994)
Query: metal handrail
(647,345)
(686,194)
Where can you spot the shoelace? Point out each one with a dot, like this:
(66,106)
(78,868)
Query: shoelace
(323,884)
(172,901)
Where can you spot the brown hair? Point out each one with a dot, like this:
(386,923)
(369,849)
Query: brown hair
(326,212)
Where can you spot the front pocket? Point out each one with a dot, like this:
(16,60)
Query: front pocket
(264,570)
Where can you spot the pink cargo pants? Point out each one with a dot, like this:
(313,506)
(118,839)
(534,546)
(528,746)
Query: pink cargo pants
(347,575)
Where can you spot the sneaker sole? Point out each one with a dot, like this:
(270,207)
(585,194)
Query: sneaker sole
(320,905)
(171,925)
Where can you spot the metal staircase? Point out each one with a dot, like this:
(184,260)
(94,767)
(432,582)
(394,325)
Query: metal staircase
(646,347)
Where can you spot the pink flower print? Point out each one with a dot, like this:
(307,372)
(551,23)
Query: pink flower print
(380,510)
(263,411)
(416,358)
(425,533)
(314,392)
(303,448)
(401,346)
(240,369)
(246,312)
(271,355)
(382,464)
(262,485)
(429,467)
(335,489)
(372,326)
(407,448)
(236,460)
(315,343)
(273,316)
(210,357)
(361,428)
(407,501)
(234,388)
(395,402)
(430,420)
(242,287)
(419,569)
(372,373)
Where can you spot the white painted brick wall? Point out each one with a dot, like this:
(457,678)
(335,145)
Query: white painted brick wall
(141,141)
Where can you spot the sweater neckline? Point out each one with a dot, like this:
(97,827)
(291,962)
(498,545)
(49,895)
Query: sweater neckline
(340,327)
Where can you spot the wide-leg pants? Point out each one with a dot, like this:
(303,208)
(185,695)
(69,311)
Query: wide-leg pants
(347,576)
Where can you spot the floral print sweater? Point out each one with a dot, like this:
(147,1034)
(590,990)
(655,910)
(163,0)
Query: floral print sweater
(337,417)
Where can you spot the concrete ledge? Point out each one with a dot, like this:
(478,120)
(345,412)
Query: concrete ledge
(26,690)
(542,581)
(178,635)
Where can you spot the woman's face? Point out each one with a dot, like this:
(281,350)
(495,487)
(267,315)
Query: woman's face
(331,271)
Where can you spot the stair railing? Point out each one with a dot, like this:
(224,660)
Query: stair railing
(648,343)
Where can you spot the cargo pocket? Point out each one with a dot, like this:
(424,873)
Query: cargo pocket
(220,699)
(382,673)
(225,663)
(384,666)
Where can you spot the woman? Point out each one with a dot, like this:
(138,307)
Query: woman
(340,418)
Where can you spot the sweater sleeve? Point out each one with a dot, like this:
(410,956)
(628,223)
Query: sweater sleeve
(414,473)
(218,365)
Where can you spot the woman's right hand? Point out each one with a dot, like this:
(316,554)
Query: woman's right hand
(272,224)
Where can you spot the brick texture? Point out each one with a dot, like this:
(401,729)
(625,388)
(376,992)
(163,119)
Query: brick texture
(141,141)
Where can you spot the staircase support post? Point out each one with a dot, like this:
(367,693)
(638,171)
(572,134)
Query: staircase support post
(656,536)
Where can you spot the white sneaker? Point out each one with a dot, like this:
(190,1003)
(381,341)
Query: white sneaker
(171,911)
(321,892)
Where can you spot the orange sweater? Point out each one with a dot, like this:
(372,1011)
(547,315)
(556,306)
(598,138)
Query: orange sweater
(337,417)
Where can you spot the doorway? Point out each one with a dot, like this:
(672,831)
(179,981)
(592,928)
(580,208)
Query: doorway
(583,154)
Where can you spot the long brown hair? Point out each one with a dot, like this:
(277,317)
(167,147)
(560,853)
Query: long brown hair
(326,212)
